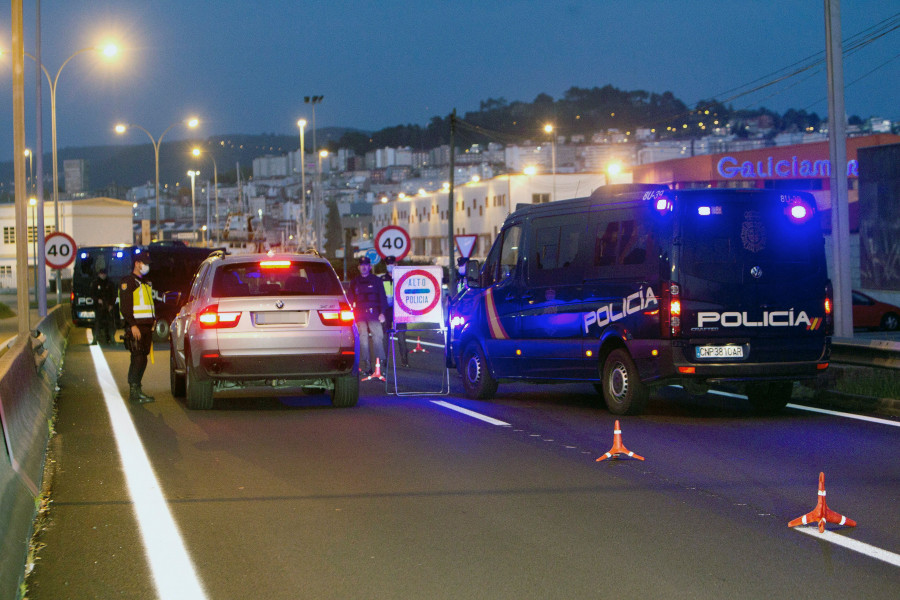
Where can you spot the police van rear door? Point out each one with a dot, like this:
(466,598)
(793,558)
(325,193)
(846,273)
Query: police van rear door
(752,276)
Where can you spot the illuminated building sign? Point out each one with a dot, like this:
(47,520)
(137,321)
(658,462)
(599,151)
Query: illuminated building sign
(729,168)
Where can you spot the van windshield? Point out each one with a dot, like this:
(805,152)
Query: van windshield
(724,239)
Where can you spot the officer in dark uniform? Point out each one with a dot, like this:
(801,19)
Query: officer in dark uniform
(366,293)
(461,284)
(402,348)
(103,293)
(136,305)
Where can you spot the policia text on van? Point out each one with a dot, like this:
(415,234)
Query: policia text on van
(636,286)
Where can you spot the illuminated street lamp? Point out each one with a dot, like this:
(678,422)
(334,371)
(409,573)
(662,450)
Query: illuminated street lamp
(122,128)
(30,178)
(193,175)
(198,152)
(319,209)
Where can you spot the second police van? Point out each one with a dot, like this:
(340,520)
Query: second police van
(642,285)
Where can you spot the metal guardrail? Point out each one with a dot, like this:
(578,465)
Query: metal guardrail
(866,353)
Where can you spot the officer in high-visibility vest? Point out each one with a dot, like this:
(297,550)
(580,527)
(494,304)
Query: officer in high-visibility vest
(136,305)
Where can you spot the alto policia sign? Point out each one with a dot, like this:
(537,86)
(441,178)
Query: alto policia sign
(417,295)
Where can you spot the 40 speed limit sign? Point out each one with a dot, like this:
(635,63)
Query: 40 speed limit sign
(59,250)
(392,241)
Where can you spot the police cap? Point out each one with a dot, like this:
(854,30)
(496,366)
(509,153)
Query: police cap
(364,260)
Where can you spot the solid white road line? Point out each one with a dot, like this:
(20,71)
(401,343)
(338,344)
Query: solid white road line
(846,415)
(851,544)
(173,572)
(472,414)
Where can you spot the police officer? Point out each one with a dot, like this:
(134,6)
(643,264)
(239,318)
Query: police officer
(136,305)
(461,275)
(103,293)
(402,348)
(366,293)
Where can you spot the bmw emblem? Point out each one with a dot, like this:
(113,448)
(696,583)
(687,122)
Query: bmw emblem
(756,272)
(279,304)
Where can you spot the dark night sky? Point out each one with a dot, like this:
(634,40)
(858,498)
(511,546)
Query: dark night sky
(244,67)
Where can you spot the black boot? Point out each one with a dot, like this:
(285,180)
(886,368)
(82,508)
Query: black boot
(136,394)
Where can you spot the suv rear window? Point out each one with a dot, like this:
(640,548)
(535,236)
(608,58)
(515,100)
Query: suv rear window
(280,278)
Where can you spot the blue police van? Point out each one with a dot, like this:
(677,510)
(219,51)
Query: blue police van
(637,286)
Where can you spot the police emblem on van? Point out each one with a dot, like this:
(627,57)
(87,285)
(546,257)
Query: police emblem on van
(607,314)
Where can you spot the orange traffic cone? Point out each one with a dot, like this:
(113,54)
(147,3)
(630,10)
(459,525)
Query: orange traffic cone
(418,347)
(377,374)
(618,448)
(822,513)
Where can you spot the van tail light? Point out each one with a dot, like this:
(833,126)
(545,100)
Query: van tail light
(829,309)
(670,310)
(211,318)
(342,316)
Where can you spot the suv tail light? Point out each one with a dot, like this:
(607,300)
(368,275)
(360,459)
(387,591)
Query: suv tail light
(829,309)
(670,310)
(211,318)
(342,316)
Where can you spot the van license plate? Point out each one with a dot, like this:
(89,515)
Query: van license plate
(720,352)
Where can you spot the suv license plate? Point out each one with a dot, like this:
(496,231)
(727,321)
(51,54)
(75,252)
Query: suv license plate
(720,351)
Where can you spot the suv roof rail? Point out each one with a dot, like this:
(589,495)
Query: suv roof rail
(312,251)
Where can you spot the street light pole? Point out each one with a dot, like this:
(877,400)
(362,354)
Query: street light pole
(193,175)
(120,129)
(549,129)
(197,152)
(301,219)
(313,100)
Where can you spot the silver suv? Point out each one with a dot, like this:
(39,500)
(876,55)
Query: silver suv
(260,319)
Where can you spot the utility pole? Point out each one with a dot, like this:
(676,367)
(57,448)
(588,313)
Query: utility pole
(450,205)
(41,273)
(837,142)
(21,221)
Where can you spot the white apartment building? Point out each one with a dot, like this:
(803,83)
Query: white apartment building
(90,222)
(480,209)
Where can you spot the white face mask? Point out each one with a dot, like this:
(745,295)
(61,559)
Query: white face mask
(390,269)
(144,269)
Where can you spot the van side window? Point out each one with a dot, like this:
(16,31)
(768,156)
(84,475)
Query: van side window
(553,258)
(620,243)
(502,259)
(509,253)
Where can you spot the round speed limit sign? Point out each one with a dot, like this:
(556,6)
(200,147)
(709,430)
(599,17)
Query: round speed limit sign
(392,241)
(59,249)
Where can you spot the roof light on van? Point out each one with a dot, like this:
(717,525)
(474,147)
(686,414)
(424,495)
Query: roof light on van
(663,205)
(799,212)
(703,211)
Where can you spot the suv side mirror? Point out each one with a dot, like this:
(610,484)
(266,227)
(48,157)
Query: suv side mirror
(473,273)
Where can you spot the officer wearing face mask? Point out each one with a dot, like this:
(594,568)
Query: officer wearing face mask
(136,305)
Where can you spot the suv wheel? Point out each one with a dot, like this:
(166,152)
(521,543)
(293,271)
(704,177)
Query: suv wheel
(477,378)
(176,381)
(622,388)
(199,390)
(345,392)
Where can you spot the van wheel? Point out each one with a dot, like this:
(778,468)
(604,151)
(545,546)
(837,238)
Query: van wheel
(769,397)
(622,388)
(345,392)
(199,389)
(161,330)
(477,378)
(176,381)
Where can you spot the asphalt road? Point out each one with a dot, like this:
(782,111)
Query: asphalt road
(400,497)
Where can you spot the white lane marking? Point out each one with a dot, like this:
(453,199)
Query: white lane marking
(410,342)
(851,544)
(846,415)
(174,574)
(472,414)
(824,411)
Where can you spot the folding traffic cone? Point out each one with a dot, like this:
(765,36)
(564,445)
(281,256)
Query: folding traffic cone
(377,373)
(418,347)
(618,448)
(822,513)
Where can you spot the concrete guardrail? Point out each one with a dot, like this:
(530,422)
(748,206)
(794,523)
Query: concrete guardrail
(29,371)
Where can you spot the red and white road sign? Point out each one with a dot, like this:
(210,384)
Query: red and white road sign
(59,250)
(392,241)
(417,295)
(465,244)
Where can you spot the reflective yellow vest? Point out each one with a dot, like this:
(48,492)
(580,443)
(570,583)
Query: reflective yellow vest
(143,302)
